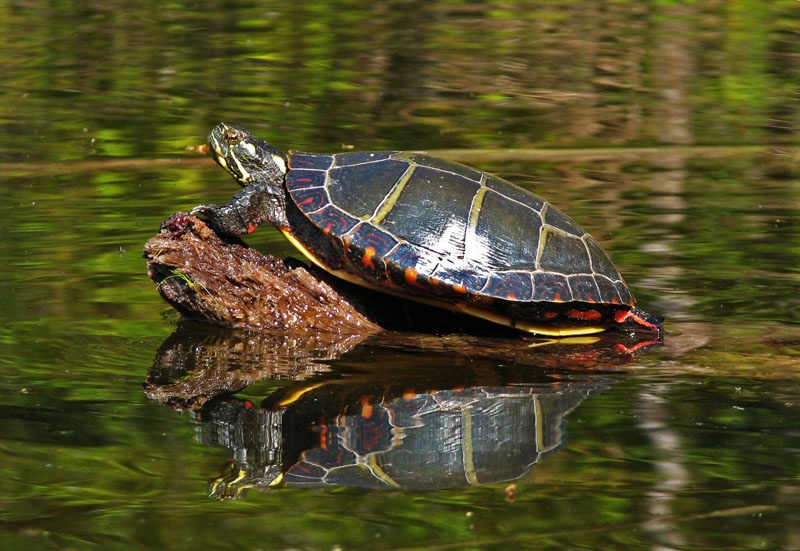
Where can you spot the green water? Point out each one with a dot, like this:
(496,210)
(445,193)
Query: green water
(670,130)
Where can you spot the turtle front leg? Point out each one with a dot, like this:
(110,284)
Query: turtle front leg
(247,210)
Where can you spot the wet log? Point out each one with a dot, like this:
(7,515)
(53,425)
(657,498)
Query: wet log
(222,280)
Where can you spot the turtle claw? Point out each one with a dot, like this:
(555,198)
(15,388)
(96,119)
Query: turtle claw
(203,210)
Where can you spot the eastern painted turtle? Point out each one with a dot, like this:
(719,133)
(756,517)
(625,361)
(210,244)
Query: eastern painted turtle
(430,230)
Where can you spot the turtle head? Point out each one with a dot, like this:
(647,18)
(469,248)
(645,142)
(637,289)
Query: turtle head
(248,158)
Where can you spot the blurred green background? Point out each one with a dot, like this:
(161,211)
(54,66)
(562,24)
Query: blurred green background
(669,129)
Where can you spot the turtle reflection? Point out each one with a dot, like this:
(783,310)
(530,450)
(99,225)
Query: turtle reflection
(354,433)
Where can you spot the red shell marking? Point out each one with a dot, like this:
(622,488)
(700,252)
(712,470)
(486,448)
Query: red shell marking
(369,252)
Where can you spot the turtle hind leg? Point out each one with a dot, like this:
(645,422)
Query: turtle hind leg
(635,319)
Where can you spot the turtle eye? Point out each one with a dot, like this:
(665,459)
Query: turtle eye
(232,136)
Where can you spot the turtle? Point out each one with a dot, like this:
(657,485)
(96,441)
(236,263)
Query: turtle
(430,230)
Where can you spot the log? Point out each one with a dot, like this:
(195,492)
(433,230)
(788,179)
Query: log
(222,280)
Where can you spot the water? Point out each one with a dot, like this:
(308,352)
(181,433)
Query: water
(669,131)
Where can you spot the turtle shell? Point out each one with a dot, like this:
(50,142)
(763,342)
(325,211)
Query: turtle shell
(448,234)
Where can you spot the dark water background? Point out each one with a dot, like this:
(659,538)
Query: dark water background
(670,130)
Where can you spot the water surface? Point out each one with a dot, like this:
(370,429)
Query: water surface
(669,131)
